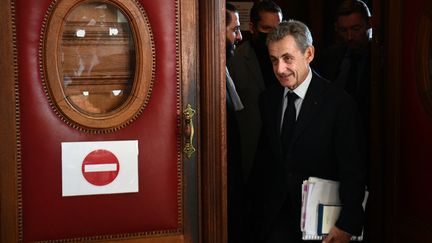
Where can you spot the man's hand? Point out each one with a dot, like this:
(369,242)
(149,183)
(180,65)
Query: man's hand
(337,235)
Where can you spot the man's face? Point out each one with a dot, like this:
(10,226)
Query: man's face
(353,30)
(267,22)
(290,65)
(233,33)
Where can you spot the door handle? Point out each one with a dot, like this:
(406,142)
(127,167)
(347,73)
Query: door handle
(188,113)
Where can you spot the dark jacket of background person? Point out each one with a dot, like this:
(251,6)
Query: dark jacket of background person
(251,71)
(246,73)
(347,62)
(329,64)
(235,204)
(234,175)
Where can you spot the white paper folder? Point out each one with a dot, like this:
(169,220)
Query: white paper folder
(321,207)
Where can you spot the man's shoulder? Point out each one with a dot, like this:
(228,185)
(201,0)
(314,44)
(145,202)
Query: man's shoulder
(337,49)
(332,54)
(334,95)
(329,88)
(244,62)
(317,78)
(245,50)
(272,91)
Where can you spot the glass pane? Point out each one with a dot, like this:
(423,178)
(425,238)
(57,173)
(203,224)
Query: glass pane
(97,58)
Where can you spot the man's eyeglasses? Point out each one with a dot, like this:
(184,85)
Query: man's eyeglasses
(237,30)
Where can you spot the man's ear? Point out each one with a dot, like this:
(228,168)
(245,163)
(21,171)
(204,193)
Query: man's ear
(251,28)
(369,27)
(310,53)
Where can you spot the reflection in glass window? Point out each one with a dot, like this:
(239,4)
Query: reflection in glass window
(98,54)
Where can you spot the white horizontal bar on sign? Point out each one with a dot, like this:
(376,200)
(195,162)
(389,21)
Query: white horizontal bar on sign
(100,167)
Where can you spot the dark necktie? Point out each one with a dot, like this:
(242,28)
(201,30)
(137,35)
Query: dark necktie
(289,120)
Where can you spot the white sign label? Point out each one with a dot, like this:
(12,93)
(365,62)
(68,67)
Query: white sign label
(90,168)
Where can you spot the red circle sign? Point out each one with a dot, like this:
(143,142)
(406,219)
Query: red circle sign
(100,167)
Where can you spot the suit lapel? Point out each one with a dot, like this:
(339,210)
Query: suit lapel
(310,105)
(276,113)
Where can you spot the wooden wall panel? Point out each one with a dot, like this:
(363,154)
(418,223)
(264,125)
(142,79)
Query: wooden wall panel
(414,175)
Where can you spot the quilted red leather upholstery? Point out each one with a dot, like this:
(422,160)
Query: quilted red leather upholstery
(49,216)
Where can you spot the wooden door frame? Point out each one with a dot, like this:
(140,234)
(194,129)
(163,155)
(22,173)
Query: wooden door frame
(391,116)
(9,128)
(210,92)
(213,121)
(386,93)
(385,126)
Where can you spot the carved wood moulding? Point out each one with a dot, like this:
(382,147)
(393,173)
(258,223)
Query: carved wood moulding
(97,62)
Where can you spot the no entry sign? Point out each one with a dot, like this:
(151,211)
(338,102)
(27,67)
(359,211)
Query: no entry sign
(100,167)
(105,167)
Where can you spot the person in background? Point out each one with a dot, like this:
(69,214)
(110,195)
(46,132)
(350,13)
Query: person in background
(347,63)
(251,71)
(233,104)
(311,127)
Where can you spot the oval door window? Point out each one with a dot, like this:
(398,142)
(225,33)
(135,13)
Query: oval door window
(98,62)
(97,65)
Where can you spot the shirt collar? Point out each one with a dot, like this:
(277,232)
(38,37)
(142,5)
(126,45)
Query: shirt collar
(300,91)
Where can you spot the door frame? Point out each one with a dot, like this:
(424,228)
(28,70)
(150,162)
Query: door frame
(213,121)
(391,116)
(9,128)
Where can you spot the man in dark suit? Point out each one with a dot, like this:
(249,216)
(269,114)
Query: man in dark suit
(347,62)
(233,104)
(323,139)
(251,71)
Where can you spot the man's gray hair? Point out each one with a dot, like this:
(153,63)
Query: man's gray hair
(298,30)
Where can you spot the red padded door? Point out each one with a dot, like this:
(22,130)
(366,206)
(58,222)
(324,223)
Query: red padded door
(156,209)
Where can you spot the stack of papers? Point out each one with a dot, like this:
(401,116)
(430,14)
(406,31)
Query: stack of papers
(320,208)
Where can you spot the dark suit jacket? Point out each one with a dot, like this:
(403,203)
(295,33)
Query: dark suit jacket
(327,143)
(328,64)
(246,73)
(234,175)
